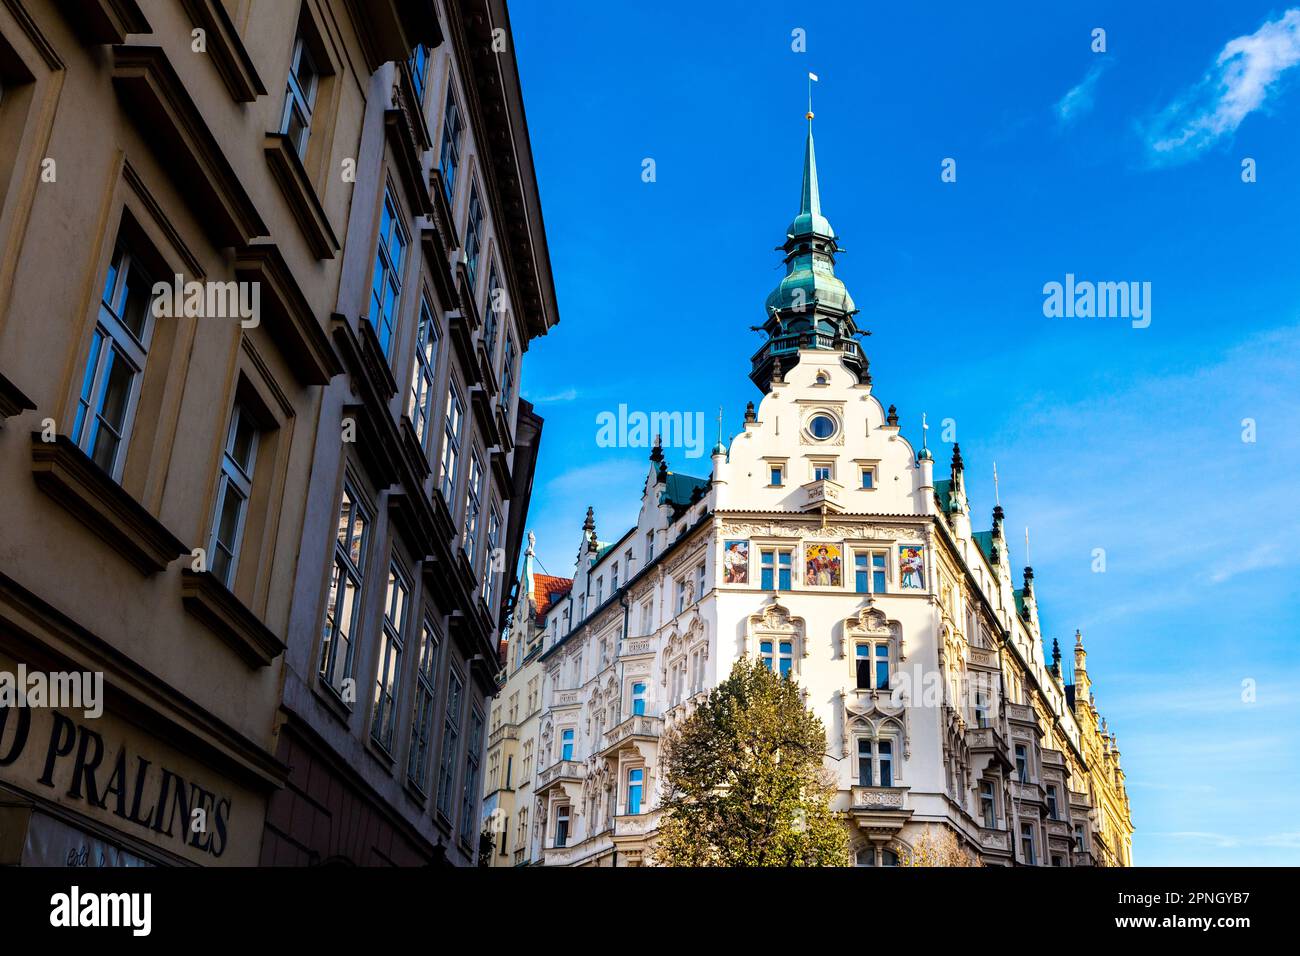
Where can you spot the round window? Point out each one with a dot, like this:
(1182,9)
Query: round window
(821,426)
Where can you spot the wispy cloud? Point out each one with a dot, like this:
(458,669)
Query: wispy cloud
(1080,98)
(1244,73)
(566,395)
(1284,840)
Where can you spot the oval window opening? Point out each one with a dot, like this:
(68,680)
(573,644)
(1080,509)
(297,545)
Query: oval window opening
(822,426)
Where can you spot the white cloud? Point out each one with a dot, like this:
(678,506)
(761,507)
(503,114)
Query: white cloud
(1080,98)
(567,395)
(1244,72)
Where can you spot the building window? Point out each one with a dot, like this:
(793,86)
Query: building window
(1052,813)
(1027,843)
(988,805)
(473,237)
(562,825)
(449,156)
(386,283)
(699,582)
(470,791)
(872,665)
(424,371)
(495,303)
(1078,837)
(681,595)
(417,761)
(774,569)
(452,426)
(638,699)
(823,471)
(110,386)
(450,741)
(613,578)
(981,709)
(821,427)
(867,857)
(384,718)
(1022,764)
(234,489)
(300,97)
(566,744)
(419,64)
(869,572)
(508,376)
(635,788)
(868,476)
(777,655)
(473,507)
(1057,861)
(346,580)
(776,475)
(875,762)
(493,543)
(649,546)
(600,591)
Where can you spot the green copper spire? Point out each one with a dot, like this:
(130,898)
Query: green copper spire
(810,308)
(810,221)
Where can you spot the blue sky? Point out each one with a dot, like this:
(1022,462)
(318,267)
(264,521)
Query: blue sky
(1116,166)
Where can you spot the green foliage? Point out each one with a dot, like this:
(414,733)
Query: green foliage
(745,780)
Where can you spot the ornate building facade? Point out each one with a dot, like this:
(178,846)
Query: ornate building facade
(821,542)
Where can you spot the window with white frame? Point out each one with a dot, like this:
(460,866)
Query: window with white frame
(495,304)
(697,671)
(491,574)
(988,805)
(613,578)
(473,237)
(871,660)
(776,475)
(649,546)
(507,376)
(386,283)
(681,594)
(1022,763)
(419,66)
(600,591)
(300,95)
(823,470)
(450,742)
(561,825)
(1028,844)
(566,743)
(346,583)
(473,507)
(234,488)
(869,572)
(981,708)
(875,762)
(775,569)
(777,654)
(699,582)
(391,637)
(1079,838)
(1052,812)
(635,789)
(417,760)
(110,385)
(647,616)
(867,477)
(424,374)
(470,790)
(453,426)
(453,127)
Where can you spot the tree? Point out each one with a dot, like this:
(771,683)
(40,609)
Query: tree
(941,850)
(745,783)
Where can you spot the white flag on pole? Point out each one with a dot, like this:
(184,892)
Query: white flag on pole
(813,77)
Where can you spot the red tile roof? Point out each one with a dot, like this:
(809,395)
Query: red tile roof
(548,589)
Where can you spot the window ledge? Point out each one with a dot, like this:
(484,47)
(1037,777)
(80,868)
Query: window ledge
(63,472)
(107,21)
(226,49)
(12,400)
(288,315)
(229,618)
(170,121)
(298,191)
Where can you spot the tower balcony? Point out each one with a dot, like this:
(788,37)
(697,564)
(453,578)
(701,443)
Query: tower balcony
(786,347)
(557,775)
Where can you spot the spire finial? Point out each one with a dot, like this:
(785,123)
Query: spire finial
(812,78)
(925,432)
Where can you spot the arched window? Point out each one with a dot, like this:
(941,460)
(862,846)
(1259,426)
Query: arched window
(872,855)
